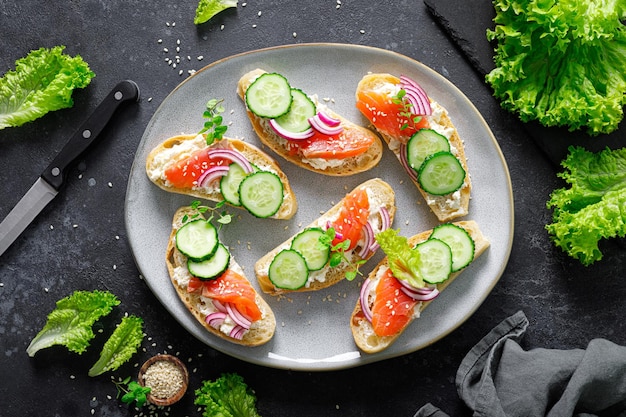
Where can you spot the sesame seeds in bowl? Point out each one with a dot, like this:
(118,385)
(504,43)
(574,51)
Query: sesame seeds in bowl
(167,378)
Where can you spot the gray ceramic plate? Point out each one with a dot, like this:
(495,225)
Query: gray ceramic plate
(313,328)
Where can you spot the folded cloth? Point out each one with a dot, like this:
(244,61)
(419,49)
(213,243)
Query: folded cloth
(497,378)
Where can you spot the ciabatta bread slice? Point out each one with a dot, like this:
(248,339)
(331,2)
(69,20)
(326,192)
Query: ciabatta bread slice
(178,148)
(381,197)
(362,330)
(260,332)
(334,167)
(446,207)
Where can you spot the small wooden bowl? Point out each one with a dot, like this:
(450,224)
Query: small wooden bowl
(163,402)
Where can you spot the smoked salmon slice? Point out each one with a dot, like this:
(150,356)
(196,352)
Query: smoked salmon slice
(392,309)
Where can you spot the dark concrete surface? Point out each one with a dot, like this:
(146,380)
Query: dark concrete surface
(79,240)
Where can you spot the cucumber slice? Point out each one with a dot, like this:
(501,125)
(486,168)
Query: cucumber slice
(197,239)
(213,267)
(229,184)
(288,270)
(315,253)
(269,96)
(441,174)
(423,143)
(297,118)
(435,260)
(460,242)
(261,193)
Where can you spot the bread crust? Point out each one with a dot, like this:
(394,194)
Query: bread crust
(156,163)
(260,332)
(348,166)
(377,187)
(362,330)
(437,204)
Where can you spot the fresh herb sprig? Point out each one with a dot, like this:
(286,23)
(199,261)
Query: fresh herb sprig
(132,391)
(338,253)
(213,125)
(221,217)
(412,120)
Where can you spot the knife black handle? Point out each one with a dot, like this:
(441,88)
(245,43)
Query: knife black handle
(56,172)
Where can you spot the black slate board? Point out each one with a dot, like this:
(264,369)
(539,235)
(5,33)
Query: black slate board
(466,23)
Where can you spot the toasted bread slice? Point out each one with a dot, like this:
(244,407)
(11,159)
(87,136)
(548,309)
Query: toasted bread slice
(446,207)
(261,330)
(362,331)
(178,148)
(380,194)
(334,167)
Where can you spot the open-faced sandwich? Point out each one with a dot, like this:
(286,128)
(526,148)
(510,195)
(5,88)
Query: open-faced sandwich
(228,170)
(333,246)
(305,131)
(420,133)
(409,278)
(212,285)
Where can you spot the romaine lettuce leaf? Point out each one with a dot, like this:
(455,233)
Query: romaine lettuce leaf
(593,207)
(42,81)
(561,62)
(120,347)
(208,8)
(403,260)
(70,323)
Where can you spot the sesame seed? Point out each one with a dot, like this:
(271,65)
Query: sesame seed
(259,13)
(165,50)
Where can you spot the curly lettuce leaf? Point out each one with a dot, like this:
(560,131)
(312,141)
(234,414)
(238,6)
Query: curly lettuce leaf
(120,347)
(561,62)
(70,323)
(43,81)
(403,261)
(227,396)
(593,207)
(208,8)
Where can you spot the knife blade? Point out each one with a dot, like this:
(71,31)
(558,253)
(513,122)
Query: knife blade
(53,177)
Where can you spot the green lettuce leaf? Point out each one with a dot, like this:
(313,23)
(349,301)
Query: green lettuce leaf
(42,81)
(403,261)
(208,8)
(227,396)
(593,207)
(120,347)
(70,323)
(561,62)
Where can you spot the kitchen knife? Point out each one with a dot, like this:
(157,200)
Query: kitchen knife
(49,183)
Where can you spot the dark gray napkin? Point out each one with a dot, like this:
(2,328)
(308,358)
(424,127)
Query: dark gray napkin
(497,378)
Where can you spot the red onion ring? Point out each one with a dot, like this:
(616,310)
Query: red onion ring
(237,317)
(216,319)
(284,133)
(328,120)
(318,123)
(212,174)
(233,156)
(405,163)
(364,299)
(369,240)
(416,95)
(219,305)
(237,332)
(418,294)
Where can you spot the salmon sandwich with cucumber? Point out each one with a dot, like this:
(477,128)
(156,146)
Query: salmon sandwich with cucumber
(333,246)
(413,273)
(212,285)
(305,131)
(419,131)
(210,166)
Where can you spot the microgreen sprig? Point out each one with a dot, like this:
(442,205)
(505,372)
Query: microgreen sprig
(406,110)
(132,391)
(223,217)
(213,126)
(338,253)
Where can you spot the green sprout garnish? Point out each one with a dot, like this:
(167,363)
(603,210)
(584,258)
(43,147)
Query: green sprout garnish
(213,126)
(338,255)
(132,392)
(223,217)
(406,110)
